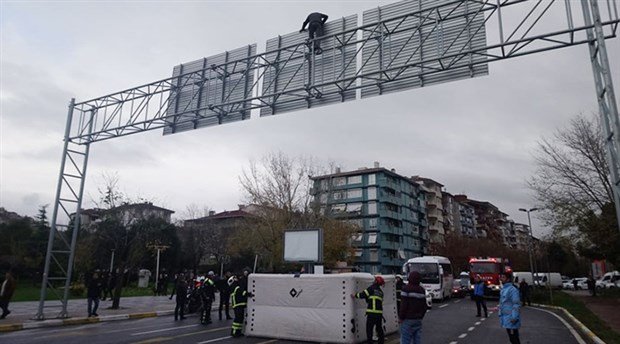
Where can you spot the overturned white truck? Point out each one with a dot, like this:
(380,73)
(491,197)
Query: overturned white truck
(316,308)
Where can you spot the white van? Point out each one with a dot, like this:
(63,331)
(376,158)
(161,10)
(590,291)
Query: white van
(553,279)
(523,275)
(436,273)
(609,280)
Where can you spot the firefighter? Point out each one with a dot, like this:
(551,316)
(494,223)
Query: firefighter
(399,288)
(207,295)
(240,303)
(374,309)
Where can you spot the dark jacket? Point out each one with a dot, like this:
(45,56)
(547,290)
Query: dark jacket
(94,288)
(413,299)
(223,287)
(7,288)
(181,289)
(314,17)
(374,299)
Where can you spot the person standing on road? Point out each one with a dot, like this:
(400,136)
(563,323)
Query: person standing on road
(6,292)
(478,296)
(399,288)
(374,309)
(181,290)
(412,309)
(575,284)
(524,289)
(509,308)
(240,303)
(224,289)
(207,295)
(591,286)
(93,294)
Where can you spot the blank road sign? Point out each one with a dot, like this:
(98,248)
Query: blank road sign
(211,91)
(432,46)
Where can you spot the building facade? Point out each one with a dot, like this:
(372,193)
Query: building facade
(388,209)
(434,206)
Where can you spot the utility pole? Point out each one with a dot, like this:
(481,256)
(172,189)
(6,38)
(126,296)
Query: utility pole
(112,261)
(529,241)
(159,248)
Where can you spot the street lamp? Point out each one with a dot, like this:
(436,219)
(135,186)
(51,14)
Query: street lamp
(159,248)
(529,248)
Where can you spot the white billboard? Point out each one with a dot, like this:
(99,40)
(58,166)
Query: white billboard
(305,245)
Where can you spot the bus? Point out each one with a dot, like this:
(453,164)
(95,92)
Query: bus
(436,273)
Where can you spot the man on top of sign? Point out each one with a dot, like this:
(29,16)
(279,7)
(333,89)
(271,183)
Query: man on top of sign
(316,21)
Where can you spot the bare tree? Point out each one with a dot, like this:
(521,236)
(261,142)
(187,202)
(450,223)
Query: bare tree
(279,187)
(572,176)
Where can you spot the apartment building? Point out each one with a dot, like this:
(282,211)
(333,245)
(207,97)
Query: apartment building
(388,209)
(434,205)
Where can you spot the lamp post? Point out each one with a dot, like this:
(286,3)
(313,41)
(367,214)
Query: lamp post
(112,260)
(159,248)
(529,245)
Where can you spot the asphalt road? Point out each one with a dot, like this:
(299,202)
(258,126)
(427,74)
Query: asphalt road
(451,322)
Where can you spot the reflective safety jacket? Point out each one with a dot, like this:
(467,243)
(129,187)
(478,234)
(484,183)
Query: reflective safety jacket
(374,299)
(240,297)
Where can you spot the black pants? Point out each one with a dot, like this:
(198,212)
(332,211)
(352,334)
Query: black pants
(481,302)
(5,308)
(525,297)
(374,321)
(513,335)
(205,317)
(224,303)
(315,29)
(237,325)
(179,310)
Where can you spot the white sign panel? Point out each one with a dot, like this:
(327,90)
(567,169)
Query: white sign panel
(302,245)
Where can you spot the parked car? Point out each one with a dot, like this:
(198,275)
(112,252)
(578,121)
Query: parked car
(609,280)
(523,275)
(458,289)
(581,283)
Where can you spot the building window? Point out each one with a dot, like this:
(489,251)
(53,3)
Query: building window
(372,208)
(374,255)
(354,193)
(371,179)
(372,223)
(357,237)
(358,253)
(323,198)
(372,238)
(401,254)
(340,181)
(372,193)
(355,208)
(338,195)
(354,180)
(339,208)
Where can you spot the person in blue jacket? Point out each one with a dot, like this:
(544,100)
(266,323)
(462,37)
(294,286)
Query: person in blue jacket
(509,308)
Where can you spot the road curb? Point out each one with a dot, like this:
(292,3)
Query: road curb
(81,321)
(585,330)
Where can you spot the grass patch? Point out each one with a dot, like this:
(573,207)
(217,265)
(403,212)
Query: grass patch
(579,310)
(29,292)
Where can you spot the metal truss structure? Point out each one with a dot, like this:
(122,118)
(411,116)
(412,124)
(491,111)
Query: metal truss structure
(409,44)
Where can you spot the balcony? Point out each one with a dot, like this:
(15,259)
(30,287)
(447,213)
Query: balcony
(389,245)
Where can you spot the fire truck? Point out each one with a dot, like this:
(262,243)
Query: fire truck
(489,270)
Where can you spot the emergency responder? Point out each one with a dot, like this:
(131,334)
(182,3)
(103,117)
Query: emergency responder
(374,309)
(240,303)
(315,22)
(399,288)
(207,295)
(224,289)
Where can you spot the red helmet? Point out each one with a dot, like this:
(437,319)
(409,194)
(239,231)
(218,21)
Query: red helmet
(379,280)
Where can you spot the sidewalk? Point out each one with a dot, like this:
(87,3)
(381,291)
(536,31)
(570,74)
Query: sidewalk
(605,308)
(130,308)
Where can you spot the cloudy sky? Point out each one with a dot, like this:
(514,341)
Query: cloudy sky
(475,136)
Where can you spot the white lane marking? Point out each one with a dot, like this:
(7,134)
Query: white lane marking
(471,329)
(570,328)
(457,301)
(478,323)
(463,335)
(163,329)
(215,340)
(483,319)
(453,342)
(442,306)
